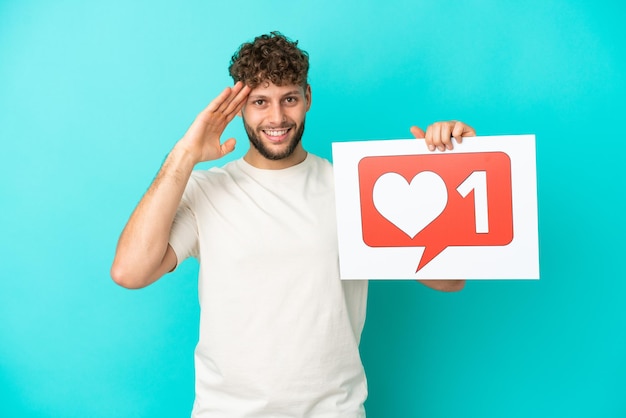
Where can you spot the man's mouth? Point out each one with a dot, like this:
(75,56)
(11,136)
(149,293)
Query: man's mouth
(276,135)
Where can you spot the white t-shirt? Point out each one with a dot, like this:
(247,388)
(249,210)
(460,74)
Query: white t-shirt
(279,331)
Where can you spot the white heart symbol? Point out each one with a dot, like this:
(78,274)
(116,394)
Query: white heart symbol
(410,206)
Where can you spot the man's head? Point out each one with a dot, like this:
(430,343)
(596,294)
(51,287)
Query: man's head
(270,58)
(274,113)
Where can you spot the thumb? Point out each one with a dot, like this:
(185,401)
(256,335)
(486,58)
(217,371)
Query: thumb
(418,132)
(228,146)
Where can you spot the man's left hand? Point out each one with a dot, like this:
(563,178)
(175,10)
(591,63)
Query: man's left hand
(439,135)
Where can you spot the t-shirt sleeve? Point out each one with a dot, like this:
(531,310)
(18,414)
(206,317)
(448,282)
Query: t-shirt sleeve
(184,233)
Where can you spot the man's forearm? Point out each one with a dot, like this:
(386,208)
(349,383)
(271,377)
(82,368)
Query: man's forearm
(143,243)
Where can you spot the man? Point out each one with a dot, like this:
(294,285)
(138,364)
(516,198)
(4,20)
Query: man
(279,331)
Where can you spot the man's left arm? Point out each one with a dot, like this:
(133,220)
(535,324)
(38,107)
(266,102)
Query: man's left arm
(438,136)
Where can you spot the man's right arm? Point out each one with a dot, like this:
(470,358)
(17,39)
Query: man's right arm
(143,253)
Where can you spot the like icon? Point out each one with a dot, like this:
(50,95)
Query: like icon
(436,201)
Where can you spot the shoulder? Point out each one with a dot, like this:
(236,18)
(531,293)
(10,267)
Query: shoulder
(211,179)
(320,163)
(320,171)
(215,174)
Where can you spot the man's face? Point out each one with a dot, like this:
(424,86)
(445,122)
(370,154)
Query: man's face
(274,119)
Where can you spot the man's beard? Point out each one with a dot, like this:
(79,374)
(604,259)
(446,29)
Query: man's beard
(266,151)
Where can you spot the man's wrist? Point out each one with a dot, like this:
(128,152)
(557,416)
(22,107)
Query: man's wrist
(179,163)
(183,157)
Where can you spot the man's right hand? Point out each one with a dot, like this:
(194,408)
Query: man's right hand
(203,138)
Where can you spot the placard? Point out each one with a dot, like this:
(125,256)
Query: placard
(405,212)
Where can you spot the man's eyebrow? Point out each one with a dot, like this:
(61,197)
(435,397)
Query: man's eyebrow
(262,96)
(293,92)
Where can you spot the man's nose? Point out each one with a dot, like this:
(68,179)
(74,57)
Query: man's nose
(276,114)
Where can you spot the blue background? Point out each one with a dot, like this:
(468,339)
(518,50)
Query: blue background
(94,94)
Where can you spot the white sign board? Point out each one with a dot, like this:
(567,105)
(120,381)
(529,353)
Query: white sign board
(404,212)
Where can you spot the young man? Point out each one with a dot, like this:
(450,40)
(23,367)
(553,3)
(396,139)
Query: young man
(279,331)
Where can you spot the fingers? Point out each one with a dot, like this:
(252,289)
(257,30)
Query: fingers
(439,135)
(460,130)
(238,95)
(216,104)
(229,101)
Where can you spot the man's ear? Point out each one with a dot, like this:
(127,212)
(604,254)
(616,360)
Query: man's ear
(240,112)
(308,97)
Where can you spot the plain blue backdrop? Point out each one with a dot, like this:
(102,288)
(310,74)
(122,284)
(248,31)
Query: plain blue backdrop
(94,94)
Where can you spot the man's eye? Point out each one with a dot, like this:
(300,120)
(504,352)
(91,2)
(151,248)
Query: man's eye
(290,99)
(259,102)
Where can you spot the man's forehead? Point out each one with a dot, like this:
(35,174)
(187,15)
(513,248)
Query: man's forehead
(268,88)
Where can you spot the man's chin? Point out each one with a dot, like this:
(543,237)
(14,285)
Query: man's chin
(276,152)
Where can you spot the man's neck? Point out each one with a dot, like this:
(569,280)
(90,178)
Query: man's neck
(255,159)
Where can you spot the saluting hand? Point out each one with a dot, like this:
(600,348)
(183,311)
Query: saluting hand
(203,138)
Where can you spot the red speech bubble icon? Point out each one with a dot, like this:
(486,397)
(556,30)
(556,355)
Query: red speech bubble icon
(436,201)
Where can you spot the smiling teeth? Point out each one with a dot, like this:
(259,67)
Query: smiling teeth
(276,133)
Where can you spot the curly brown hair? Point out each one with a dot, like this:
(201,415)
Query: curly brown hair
(270,58)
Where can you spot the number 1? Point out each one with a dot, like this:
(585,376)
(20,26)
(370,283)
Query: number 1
(477,181)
